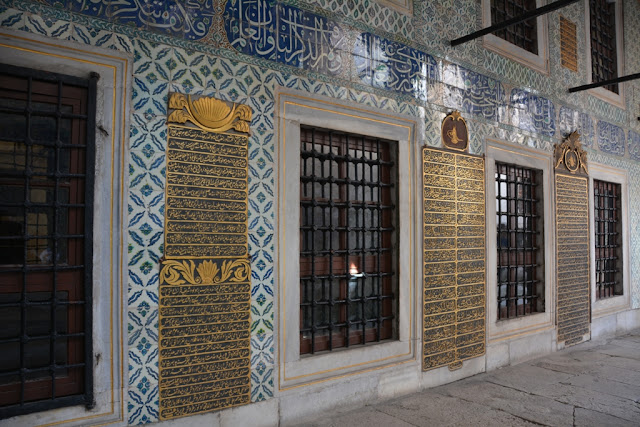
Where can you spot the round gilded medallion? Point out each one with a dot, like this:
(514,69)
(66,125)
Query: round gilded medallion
(571,160)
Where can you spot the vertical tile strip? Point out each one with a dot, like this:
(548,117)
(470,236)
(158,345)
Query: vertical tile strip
(205,285)
(454,258)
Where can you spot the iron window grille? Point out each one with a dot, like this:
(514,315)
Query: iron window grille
(347,258)
(524,34)
(46,182)
(604,60)
(520,288)
(607,239)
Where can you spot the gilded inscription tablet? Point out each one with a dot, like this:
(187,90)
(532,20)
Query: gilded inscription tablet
(572,219)
(205,288)
(454,258)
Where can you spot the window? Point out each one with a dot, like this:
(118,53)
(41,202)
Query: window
(105,279)
(46,174)
(520,223)
(609,239)
(348,254)
(526,42)
(524,34)
(604,64)
(347,229)
(520,289)
(606,206)
(605,41)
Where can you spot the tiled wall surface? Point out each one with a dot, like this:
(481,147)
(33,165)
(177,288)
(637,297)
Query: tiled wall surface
(360,51)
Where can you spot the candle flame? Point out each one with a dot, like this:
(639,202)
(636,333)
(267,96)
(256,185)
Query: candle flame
(353,269)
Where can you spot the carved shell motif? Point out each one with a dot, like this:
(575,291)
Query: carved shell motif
(209,113)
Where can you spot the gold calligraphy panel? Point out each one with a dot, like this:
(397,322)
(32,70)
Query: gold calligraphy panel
(205,287)
(206,210)
(454,258)
(572,216)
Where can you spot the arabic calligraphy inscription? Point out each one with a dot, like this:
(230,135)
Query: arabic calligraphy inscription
(454,259)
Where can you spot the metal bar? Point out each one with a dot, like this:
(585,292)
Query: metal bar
(605,83)
(524,17)
(89,171)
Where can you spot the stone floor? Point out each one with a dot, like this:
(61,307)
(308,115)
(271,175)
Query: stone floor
(591,384)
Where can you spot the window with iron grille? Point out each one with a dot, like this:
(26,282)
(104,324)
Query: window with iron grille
(347,259)
(524,34)
(46,169)
(520,246)
(604,59)
(608,251)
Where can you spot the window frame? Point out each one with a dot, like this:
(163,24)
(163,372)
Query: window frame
(529,251)
(616,99)
(541,161)
(83,316)
(323,264)
(109,308)
(616,303)
(539,62)
(295,108)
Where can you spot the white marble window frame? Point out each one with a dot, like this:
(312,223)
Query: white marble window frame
(604,307)
(498,151)
(616,99)
(539,62)
(295,108)
(109,210)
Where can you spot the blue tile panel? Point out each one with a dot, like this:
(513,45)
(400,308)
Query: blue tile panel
(472,92)
(389,65)
(571,120)
(532,112)
(191,19)
(287,35)
(634,145)
(611,138)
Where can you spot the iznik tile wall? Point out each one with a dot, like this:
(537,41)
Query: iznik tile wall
(359,51)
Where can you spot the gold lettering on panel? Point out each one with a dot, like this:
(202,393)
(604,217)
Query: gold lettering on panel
(454,258)
(572,218)
(205,279)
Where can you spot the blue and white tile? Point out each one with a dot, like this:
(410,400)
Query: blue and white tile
(148,129)
(146,210)
(48,27)
(149,94)
(93,36)
(11,18)
(143,404)
(152,57)
(262,383)
(147,169)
